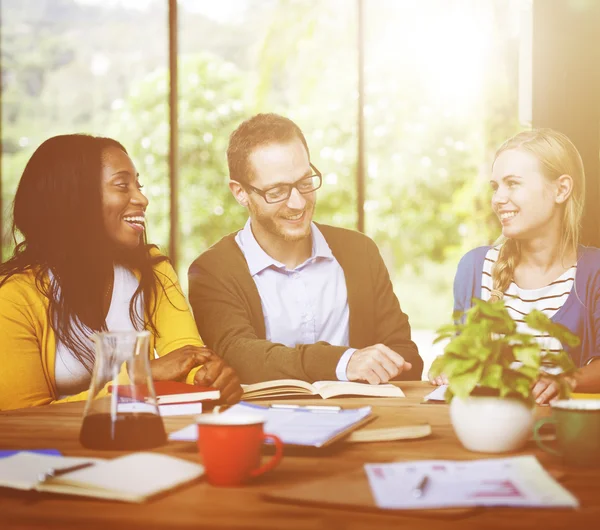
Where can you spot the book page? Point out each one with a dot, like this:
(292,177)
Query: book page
(328,389)
(279,386)
(134,477)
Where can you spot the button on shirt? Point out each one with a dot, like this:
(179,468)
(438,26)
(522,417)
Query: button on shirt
(305,305)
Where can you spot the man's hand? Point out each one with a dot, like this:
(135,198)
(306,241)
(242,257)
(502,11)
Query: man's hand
(440,380)
(175,365)
(216,372)
(376,364)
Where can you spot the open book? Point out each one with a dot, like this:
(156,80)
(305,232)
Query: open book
(131,478)
(325,389)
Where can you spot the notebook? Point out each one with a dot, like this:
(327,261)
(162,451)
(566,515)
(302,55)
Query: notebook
(301,426)
(131,478)
(324,389)
(169,392)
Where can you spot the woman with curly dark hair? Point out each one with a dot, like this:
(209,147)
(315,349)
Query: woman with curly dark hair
(83,266)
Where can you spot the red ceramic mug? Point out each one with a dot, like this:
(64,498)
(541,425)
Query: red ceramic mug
(230,447)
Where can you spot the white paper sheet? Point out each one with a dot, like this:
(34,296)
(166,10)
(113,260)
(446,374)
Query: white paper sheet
(173,409)
(437,394)
(517,481)
(297,427)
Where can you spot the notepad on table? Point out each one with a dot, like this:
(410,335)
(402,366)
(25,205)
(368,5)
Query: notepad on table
(298,426)
(131,478)
(324,389)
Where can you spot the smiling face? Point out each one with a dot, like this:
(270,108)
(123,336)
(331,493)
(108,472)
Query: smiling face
(123,204)
(526,202)
(275,164)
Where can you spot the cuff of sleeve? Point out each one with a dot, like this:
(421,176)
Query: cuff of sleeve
(342,365)
(190,377)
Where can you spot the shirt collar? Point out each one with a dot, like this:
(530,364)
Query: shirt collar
(258,260)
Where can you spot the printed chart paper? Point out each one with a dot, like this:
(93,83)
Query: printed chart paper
(518,481)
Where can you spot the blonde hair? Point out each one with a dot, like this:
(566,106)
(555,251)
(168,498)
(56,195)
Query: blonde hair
(557,156)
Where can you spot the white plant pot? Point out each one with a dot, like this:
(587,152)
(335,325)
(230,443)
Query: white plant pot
(491,424)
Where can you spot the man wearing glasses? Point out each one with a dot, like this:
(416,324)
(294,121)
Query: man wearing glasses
(284,297)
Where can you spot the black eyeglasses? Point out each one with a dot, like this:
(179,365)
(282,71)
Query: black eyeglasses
(282,192)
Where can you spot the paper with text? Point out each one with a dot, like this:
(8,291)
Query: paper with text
(295,427)
(517,481)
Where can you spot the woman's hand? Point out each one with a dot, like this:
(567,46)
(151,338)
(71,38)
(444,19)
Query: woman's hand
(216,372)
(546,390)
(440,380)
(175,365)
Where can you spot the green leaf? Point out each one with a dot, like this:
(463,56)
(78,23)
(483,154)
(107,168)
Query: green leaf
(528,355)
(492,376)
(437,366)
(537,320)
(462,385)
(458,347)
(529,372)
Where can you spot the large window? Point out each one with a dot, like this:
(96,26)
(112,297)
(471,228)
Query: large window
(86,66)
(441,82)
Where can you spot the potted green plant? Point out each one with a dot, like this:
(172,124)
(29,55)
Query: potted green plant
(491,369)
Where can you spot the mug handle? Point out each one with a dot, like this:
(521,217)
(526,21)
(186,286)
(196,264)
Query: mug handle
(536,435)
(272,463)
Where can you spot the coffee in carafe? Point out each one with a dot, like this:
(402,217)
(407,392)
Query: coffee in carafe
(121,412)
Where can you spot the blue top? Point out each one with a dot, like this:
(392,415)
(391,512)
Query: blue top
(580,312)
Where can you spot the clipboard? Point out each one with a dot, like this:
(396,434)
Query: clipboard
(351,491)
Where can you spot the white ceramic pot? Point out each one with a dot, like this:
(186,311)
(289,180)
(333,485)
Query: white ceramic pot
(491,424)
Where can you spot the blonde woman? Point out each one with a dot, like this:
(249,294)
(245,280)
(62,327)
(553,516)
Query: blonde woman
(538,185)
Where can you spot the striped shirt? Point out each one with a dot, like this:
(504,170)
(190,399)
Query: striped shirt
(520,302)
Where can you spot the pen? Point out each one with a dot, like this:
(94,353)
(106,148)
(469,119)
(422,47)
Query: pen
(57,472)
(308,408)
(419,489)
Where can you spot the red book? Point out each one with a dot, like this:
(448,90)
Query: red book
(170,392)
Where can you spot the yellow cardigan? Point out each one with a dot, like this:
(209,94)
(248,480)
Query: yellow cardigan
(28,344)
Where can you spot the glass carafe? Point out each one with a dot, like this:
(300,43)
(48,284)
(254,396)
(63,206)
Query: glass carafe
(121,412)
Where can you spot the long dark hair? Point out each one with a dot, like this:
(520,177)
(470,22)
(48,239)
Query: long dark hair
(58,212)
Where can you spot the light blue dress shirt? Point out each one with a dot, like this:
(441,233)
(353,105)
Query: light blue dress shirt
(305,305)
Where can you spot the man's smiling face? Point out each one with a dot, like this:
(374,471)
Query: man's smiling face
(272,165)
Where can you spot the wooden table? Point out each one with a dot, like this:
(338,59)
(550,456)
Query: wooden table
(200,505)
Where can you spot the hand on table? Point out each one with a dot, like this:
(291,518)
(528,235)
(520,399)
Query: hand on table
(216,372)
(176,365)
(376,364)
(546,390)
